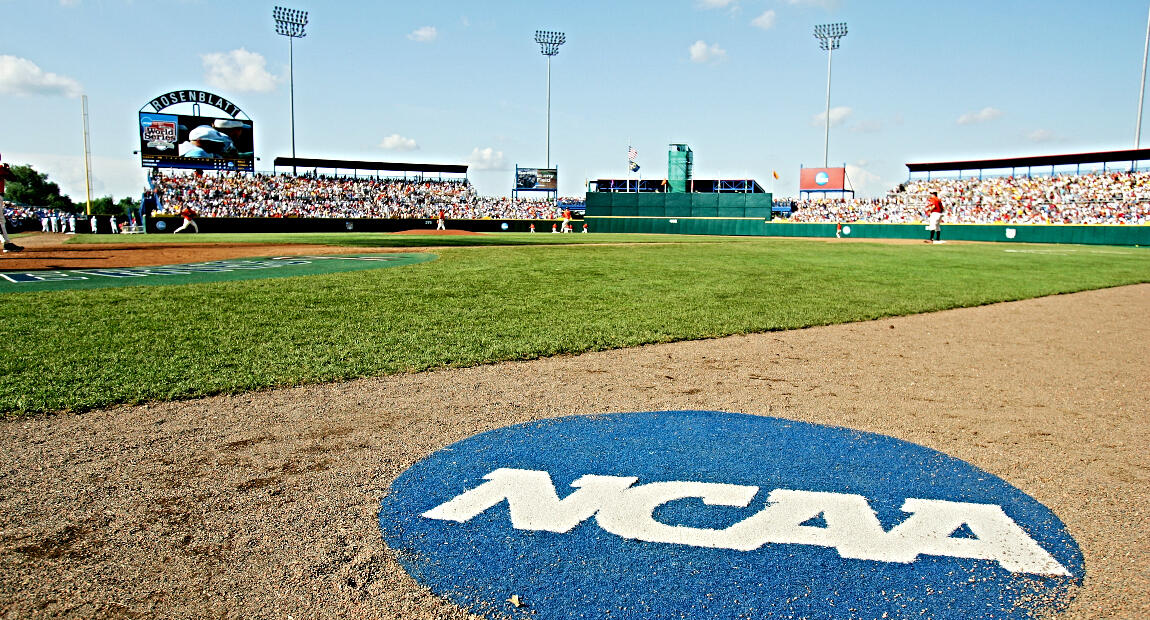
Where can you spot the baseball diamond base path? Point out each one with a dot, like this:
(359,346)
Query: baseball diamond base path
(265,505)
(49,251)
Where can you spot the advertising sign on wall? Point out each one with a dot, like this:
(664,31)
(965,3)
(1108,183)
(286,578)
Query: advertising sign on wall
(822,179)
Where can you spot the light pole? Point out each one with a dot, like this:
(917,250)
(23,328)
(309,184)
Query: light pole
(290,23)
(1142,88)
(829,36)
(549,43)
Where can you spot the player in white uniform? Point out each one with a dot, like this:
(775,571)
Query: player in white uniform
(5,174)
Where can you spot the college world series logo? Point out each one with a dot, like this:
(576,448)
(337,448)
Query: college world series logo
(719,515)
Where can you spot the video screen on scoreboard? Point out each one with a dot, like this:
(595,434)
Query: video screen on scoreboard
(546,179)
(197,142)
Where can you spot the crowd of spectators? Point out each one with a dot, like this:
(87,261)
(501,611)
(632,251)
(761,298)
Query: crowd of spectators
(285,195)
(1096,198)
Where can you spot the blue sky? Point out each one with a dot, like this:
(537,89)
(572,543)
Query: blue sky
(741,81)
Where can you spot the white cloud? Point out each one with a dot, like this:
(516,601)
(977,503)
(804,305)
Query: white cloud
(486,159)
(238,70)
(701,52)
(396,142)
(986,114)
(864,182)
(716,4)
(838,116)
(20,76)
(426,34)
(766,21)
(1042,135)
(826,4)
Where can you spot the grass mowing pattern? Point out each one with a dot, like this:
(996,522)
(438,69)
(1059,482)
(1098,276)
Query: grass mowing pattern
(392,240)
(84,349)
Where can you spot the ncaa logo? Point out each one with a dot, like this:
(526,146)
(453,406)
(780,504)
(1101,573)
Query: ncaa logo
(822,178)
(719,515)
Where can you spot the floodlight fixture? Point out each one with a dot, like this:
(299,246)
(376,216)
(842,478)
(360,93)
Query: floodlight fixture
(829,36)
(549,42)
(291,23)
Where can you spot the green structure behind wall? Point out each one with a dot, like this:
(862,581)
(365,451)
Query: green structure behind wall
(680,168)
(683,213)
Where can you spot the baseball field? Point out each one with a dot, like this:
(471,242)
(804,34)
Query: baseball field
(221,447)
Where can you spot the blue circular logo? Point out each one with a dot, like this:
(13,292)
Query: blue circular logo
(504,226)
(719,515)
(822,178)
(161,225)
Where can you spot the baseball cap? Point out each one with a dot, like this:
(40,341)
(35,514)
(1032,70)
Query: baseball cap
(203,132)
(225,123)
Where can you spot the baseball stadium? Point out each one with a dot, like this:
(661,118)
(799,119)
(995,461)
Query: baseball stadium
(356,387)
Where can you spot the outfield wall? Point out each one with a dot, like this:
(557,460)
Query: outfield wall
(1017,233)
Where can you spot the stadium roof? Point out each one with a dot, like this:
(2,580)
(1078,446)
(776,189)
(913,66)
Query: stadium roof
(1039,160)
(350,164)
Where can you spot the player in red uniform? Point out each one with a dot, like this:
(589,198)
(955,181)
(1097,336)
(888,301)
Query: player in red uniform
(934,218)
(187,214)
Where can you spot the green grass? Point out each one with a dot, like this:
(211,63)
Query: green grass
(81,349)
(391,240)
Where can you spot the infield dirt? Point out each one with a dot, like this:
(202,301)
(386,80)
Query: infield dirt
(265,504)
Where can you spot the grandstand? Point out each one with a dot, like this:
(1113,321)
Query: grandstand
(1110,197)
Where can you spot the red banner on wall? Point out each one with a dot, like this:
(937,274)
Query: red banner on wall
(822,179)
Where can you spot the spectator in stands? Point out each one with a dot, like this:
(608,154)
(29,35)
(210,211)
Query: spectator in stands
(262,195)
(1106,198)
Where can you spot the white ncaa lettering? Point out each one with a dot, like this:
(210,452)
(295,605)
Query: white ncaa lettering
(852,527)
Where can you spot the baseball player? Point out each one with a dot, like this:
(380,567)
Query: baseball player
(440,224)
(93,223)
(5,174)
(115,230)
(187,214)
(934,218)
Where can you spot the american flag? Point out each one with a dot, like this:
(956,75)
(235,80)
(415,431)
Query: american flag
(632,153)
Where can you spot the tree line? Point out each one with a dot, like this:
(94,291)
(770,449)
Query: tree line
(29,188)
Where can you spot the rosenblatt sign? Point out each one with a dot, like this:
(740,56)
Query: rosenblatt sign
(176,97)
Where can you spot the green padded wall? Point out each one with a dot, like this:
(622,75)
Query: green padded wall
(1029,233)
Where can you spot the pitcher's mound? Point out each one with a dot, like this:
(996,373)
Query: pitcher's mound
(419,231)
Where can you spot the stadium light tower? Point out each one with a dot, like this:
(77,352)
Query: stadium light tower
(549,43)
(290,23)
(1142,88)
(829,36)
